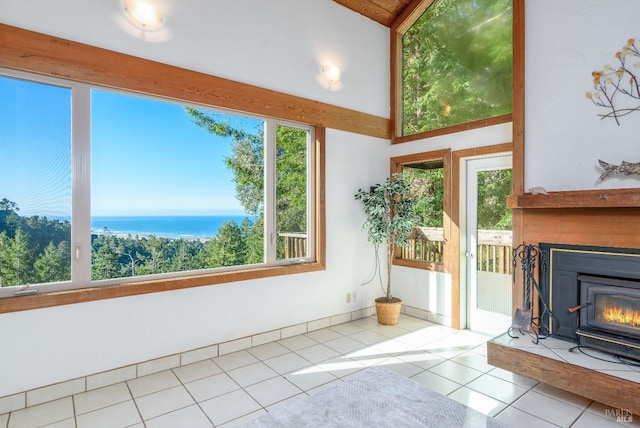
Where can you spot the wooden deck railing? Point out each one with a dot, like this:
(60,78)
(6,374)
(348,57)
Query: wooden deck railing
(493,253)
(295,245)
(426,244)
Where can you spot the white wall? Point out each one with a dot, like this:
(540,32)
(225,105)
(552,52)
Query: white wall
(564,138)
(272,43)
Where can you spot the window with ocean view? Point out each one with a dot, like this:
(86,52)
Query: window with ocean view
(174,189)
(35,183)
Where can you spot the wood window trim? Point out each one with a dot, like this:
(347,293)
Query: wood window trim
(37,53)
(437,155)
(401,25)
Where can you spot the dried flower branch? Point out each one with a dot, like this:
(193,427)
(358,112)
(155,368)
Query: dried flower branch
(610,84)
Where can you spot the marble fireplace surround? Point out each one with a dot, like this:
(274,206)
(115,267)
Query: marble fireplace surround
(589,219)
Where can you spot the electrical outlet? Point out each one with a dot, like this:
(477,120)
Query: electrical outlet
(348,297)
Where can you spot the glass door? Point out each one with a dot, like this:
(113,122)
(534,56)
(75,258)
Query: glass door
(488,244)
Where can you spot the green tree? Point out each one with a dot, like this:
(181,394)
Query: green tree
(493,189)
(229,247)
(17,260)
(427,188)
(247,165)
(53,265)
(106,255)
(253,234)
(457,64)
(155,258)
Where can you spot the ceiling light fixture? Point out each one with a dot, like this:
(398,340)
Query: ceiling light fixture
(331,73)
(143,14)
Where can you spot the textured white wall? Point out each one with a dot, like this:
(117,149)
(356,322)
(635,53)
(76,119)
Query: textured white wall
(564,138)
(276,44)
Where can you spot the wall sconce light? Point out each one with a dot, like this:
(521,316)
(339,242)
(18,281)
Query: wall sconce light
(143,14)
(331,73)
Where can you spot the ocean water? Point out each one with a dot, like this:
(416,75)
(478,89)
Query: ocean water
(186,227)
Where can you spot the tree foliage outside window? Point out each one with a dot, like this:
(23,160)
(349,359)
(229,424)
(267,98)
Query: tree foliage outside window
(493,188)
(457,64)
(427,187)
(36,249)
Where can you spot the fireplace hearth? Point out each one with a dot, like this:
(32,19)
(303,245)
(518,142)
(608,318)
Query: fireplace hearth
(594,297)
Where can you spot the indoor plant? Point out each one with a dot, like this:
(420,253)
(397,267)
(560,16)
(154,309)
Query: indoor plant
(390,210)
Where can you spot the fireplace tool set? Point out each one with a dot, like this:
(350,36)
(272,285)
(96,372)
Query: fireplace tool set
(523,320)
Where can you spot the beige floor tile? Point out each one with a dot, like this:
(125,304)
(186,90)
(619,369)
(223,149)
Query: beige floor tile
(67,423)
(229,406)
(323,335)
(517,418)
(243,420)
(196,371)
(401,367)
(102,397)
(152,383)
(456,372)
(162,402)
(548,408)
(309,378)
(287,363)
(436,383)
(297,342)
(251,374)
(213,386)
(42,414)
(4,419)
(118,416)
(188,417)
(499,389)
(477,401)
(234,360)
(273,390)
(268,350)
(317,353)
(591,420)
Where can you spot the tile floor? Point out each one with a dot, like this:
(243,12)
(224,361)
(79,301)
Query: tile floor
(232,389)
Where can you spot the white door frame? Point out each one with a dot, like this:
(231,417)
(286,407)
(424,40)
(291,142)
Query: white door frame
(469,167)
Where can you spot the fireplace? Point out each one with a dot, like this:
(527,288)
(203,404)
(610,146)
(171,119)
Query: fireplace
(593,295)
(610,315)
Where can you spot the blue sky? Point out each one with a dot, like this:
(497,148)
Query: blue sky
(147,156)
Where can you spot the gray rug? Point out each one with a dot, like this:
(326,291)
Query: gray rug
(376,398)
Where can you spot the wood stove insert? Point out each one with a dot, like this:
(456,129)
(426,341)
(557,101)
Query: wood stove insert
(594,297)
(610,315)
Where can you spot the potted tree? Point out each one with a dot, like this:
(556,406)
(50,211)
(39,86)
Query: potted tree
(390,210)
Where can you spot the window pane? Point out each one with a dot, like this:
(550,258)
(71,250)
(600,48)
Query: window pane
(35,184)
(457,64)
(291,192)
(173,188)
(427,183)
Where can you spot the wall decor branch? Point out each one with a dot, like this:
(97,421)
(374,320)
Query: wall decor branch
(617,90)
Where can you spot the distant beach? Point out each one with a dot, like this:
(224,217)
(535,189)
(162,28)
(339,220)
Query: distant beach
(173,227)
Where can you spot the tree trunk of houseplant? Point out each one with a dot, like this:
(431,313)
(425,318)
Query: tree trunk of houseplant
(388,308)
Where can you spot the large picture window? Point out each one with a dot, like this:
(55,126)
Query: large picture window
(456,64)
(159,189)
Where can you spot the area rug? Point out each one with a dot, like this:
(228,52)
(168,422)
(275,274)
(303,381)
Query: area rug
(376,398)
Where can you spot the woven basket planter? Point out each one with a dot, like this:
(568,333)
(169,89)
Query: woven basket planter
(388,312)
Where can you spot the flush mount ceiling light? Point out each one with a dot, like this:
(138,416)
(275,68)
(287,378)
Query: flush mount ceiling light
(143,14)
(331,73)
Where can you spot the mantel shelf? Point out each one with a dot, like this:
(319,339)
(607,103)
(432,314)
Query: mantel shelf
(611,198)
